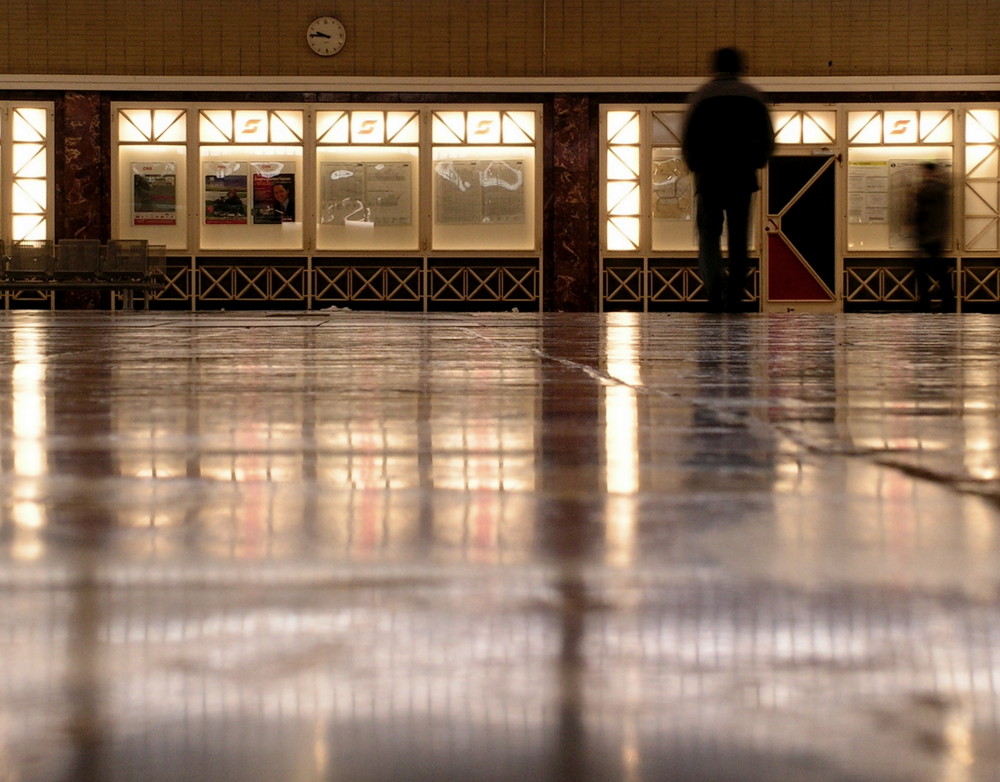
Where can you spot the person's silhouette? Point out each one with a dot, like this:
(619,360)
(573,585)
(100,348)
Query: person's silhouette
(727,137)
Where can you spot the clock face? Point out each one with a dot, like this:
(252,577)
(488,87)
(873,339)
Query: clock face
(326,35)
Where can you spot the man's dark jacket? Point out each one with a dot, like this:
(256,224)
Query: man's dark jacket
(727,135)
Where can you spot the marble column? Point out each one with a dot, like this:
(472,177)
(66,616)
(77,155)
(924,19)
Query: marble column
(572,250)
(82,201)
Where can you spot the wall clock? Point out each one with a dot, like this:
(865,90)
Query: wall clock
(326,35)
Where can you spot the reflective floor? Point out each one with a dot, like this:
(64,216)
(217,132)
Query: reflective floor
(359,547)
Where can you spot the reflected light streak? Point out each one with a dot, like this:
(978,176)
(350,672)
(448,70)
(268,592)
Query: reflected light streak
(621,413)
(621,435)
(29,424)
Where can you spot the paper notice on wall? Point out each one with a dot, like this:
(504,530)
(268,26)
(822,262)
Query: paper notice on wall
(868,192)
(672,187)
(369,193)
(469,192)
(154,194)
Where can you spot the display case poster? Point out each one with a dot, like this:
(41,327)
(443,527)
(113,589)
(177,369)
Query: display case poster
(273,198)
(672,187)
(154,194)
(479,191)
(868,192)
(368,193)
(226,195)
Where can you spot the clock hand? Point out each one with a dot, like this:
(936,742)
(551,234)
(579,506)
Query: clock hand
(319,35)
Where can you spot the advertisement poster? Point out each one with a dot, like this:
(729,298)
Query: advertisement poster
(154,194)
(374,194)
(470,192)
(226,194)
(273,198)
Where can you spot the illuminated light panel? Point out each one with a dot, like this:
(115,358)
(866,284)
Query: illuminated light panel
(623,127)
(982,126)
(333,127)
(29,125)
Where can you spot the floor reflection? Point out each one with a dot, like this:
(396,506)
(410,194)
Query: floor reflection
(360,546)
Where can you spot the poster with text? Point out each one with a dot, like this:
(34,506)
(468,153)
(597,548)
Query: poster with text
(154,194)
(273,198)
(226,194)
(868,192)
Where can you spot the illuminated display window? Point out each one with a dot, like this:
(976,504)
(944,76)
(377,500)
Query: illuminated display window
(886,148)
(622,184)
(368,172)
(251,178)
(26,194)
(484,180)
(152,180)
(982,179)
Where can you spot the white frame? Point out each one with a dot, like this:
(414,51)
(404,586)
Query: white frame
(307,208)
(7,177)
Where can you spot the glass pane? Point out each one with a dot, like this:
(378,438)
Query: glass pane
(623,127)
(448,127)
(29,227)
(936,127)
(135,125)
(29,125)
(623,163)
(216,126)
(819,127)
(623,233)
(484,127)
(981,126)
(367,127)
(29,196)
(981,161)
(251,127)
(402,127)
(667,127)
(787,127)
(518,127)
(287,125)
(981,198)
(900,127)
(169,125)
(29,160)
(981,234)
(623,198)
(864,127)
(332,127)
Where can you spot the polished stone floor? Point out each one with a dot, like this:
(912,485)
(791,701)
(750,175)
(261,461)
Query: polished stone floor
(360,547)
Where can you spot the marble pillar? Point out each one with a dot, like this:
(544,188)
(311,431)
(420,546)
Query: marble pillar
(573,206)
(82,204)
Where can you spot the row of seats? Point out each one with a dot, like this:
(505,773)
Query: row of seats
(80,259)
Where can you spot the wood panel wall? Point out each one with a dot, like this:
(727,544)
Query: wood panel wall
(500,38)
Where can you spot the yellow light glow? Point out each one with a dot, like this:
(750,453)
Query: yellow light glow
(333,127)
(29,125)
(518,127)
(982,126)
(623,127)
(402,127)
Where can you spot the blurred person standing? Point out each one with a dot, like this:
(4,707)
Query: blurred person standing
(931,224)
(727,137)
